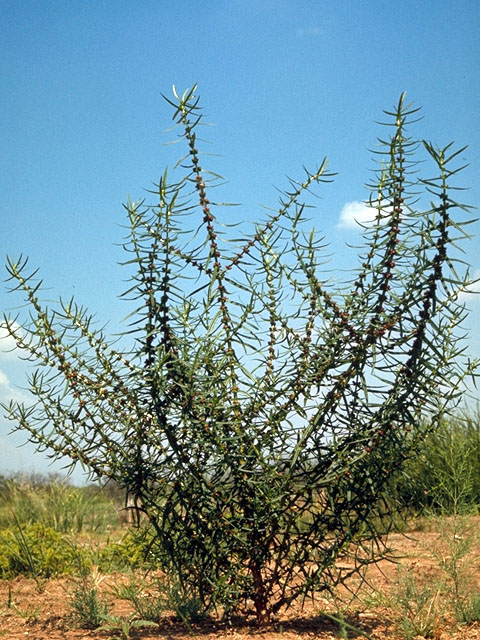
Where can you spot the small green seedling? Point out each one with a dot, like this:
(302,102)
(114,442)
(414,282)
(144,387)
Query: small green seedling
(122,626)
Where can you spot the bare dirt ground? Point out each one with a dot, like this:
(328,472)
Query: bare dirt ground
(32,614)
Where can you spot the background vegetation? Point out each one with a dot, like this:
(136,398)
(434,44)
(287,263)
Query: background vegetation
(444,477)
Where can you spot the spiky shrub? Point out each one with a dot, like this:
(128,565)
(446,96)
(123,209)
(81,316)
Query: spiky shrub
(261,411)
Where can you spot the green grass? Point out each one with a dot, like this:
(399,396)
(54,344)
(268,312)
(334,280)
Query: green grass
(444,478)
(54,503)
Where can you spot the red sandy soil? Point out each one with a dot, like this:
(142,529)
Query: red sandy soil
(30,613)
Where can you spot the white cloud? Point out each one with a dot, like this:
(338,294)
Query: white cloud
(8,391)
(8,347)
(472,292)
(354,214)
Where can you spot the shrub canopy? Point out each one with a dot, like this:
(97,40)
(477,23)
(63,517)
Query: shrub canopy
(262,410)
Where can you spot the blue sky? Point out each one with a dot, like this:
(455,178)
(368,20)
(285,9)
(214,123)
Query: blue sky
(284,82)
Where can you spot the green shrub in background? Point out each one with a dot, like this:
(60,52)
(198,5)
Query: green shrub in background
(35,550)
(133,550)
(55,503)
(261,412)
(444,478)
(39,551)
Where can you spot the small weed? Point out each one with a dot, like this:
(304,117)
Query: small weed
(30,613)
(147,599)
(418,608)
(469,609)
(457,537)
(88,609)
(344,626)
(151,598)
(187,606)
(122,626)
(9,596)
